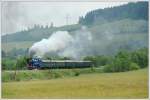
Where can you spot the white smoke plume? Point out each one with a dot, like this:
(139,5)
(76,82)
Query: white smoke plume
(64,44)
(80,46)
(57,41)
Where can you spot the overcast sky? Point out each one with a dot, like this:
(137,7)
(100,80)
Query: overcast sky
(17,16)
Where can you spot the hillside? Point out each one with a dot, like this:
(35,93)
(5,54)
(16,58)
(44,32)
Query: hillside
(36,33)
(113,29)
(123,34)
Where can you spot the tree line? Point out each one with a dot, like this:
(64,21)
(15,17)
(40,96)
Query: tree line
(138,10)
(122,61)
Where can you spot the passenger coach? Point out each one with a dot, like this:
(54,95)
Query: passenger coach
(36,63)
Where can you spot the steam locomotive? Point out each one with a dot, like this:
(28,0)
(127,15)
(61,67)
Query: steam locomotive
(37,63)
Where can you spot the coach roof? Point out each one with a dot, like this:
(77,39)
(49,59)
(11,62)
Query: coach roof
(64,61)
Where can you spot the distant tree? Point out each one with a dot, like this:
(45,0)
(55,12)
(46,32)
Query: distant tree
(140,57)
(98,60)
(42,27)
(3,54)
(8,64)
(46,26)
(49,58)
(134,66)
(81,19)
(90,58)
(66,58)
(52,25)
(119,64)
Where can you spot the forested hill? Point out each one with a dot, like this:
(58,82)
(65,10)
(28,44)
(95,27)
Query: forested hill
(136,11)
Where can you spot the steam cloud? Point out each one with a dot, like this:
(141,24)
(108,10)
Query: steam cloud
(64,44)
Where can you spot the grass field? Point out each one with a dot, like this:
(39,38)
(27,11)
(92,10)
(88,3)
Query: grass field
(28,75)
(133,84)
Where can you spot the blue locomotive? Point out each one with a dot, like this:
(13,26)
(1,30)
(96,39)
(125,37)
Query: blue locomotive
(37,63)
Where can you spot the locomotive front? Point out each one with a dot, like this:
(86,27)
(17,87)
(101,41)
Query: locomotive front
(34,63)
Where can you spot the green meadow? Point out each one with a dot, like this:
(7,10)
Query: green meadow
(132,84)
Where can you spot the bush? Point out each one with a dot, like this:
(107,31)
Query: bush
(77,73)
(117,66)
(120,63)
(140,57)
(102,60)
(108,68)
(58,75)
(21,63)
(8,64)
(92,69)
(133,66)
(99,60)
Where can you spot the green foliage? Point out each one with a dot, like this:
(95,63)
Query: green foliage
(133,66)
(102,60)
(65,58)
(125,61)
(57,75)
(48,58)
(92,69)
(118,65)
(140,57)
(14,63)
(77,73)
(8,64)
(98,60)
(22,75)
(21,63)
(108,68)
(7,76)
